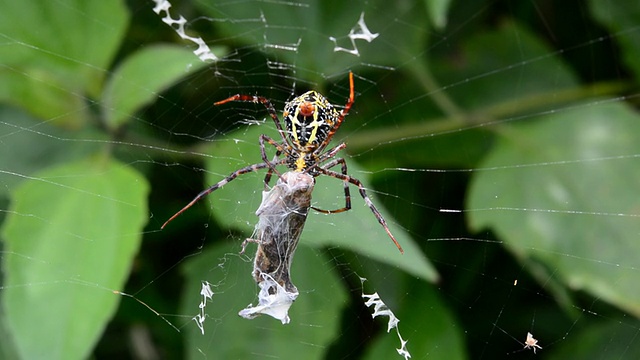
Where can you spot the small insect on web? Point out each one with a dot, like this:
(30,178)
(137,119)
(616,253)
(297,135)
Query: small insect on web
(531,343)
(311,122)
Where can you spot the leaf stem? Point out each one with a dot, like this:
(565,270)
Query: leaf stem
(478,118)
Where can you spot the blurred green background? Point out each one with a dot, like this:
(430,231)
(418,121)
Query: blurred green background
(522,115)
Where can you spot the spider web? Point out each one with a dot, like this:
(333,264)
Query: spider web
(498,139)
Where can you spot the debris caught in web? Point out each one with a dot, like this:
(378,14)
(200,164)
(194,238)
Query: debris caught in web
(203,51)
(273,300)
(282,215)
(381,309)
(358,32)
(206,293)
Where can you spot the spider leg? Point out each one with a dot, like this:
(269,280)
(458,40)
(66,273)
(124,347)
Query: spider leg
(267,177)
(330,153)
(324,170)
(247,241)
(262,100)
(281,148)
(343,114)
(271,164)
(221,183)
(347,194)
(324,157)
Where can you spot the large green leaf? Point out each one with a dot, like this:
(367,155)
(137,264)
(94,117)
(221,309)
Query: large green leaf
(561,189)
(54,53)
(70,238)
(619,17)
(139,79)
(500,66)
(315,315)
(358,230)
(19,132)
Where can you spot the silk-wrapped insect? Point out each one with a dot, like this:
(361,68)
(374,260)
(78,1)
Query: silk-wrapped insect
(282,215)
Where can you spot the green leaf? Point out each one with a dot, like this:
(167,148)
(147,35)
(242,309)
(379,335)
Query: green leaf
(54,53)
(142,76)
(557,190)
(437,10)
(358,229)
(44,95)
(315,315)
(8,348)
(20,158)
(619,17)
(70,238)
(519,67)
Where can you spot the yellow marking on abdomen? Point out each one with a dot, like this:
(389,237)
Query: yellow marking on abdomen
(300,163)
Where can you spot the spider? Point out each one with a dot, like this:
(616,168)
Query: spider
(531,343)
(311,121)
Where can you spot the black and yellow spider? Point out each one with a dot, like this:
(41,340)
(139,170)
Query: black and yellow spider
(311,121)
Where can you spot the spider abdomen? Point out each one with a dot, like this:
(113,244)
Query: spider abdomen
(309,118)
